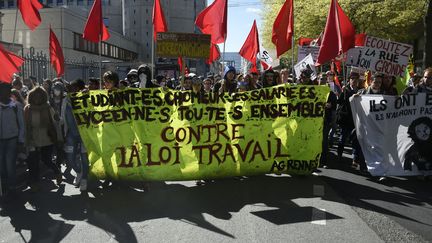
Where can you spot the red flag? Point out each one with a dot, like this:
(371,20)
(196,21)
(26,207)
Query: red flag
(180,63)
(159,23)
(283,28)
(265,65)
(250,48)
(56,54)
(339,34)
(303,41)
(30,12)
(214,54)
(360,39)
(213,21)
(95,30)
(9,64)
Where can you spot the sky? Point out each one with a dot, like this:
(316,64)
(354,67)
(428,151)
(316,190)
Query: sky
(241,14)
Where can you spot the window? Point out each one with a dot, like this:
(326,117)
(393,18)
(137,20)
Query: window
(2,4)
(59,2)
(147,21)
(50,2)
(134,11)
(70,2)
(147,33)
(90,2)
(108,50)
(134,33)
(146,10)
(80,2)
(134,22)
(11,4)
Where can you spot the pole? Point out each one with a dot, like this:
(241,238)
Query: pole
(15,27)
(223,56)
(152,57)
(292,48)
(100,61)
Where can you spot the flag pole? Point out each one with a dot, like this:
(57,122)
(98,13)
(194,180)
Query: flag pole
(15,27)
(152,57)
(100,61)
(223,57)
(292,47)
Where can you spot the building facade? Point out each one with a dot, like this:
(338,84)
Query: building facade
(129,23)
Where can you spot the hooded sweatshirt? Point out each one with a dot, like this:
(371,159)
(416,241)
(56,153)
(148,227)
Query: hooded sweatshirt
(12,121)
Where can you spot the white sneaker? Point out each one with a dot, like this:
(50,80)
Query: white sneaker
(83,185)
(78,179)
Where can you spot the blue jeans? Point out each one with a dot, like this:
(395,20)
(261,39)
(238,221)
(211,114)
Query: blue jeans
(74,146)
(8,154)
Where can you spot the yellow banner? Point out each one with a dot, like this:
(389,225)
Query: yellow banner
(153,134)
(183,45)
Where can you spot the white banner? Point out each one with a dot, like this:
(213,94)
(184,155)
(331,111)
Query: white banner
(304,51)
(307,63)
(381,55)
(395,133)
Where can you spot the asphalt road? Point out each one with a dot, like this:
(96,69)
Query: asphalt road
(334,205)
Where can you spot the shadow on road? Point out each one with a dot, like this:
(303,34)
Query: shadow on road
(114,208)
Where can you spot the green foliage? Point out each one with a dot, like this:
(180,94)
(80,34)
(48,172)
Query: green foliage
(389,19)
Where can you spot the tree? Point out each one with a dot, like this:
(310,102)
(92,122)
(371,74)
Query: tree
(389,19)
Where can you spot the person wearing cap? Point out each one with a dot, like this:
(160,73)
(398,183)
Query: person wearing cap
(344,113)
(145,77)
(132,77)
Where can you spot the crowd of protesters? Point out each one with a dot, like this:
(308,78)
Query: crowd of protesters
(37,124)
